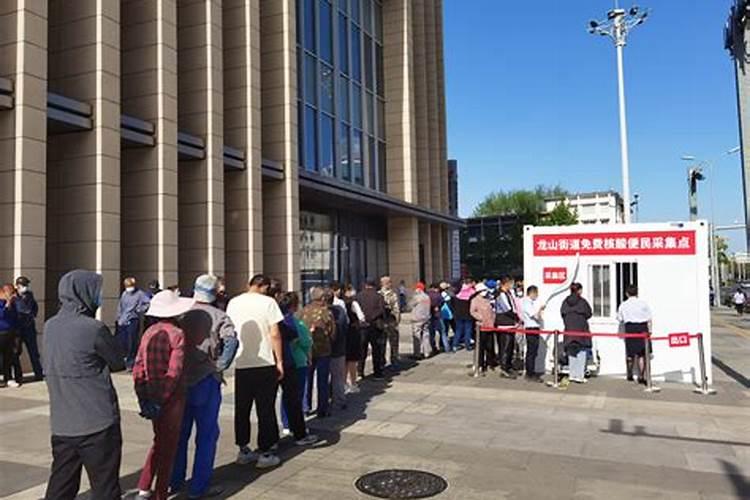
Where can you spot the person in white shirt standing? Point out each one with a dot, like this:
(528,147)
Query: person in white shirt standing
(259,368)
(531,314)
(738,299)
(635,315)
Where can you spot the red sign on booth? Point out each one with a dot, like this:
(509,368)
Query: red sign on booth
(621,243)
(679,339)
(555,275)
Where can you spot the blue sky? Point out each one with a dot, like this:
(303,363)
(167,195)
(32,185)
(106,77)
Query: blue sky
(532,99)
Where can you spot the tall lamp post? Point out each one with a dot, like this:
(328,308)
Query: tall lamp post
(617,26)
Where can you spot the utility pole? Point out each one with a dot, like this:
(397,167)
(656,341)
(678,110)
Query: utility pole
(617,26)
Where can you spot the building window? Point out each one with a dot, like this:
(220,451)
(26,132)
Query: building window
(340,90)
(600,289)
(627,275)
(311,139)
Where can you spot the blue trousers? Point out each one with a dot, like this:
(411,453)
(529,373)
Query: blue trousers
(302,378)
(319,373)
(202,409)
(28,337)
(127,336)
(437,326)
(464,329)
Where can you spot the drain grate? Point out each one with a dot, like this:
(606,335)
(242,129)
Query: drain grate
(399,484)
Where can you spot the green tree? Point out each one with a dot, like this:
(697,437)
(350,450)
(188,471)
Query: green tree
(562,215)
(528,204)
(722,250)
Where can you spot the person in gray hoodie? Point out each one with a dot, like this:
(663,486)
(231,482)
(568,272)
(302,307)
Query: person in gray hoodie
(80,353)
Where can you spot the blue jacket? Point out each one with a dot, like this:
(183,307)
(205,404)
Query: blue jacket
(132,306)
(26,309)
(7,317)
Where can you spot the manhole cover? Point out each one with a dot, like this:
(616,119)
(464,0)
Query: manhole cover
(401,483)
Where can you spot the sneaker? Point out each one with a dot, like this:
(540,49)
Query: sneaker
(579,380)
(142,495)
(352,389)
(13,383)
(507,374)
(285,433)
(267,460)
(308,440)
(246,456)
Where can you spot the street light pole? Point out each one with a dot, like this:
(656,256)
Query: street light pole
(617,26)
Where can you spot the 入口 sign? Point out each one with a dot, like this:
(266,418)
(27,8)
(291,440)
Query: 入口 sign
(619,243)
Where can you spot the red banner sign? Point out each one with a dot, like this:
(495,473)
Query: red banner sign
(555,275)
(630,243)
(679,339)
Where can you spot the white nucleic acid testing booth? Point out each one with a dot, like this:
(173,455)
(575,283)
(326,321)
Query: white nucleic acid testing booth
(668,262)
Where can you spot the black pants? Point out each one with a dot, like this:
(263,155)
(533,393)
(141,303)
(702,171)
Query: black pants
(487,356)
(99,453)
(375,338)
(532,348)
(259,386)
(10,357)
(291,397)
(507,343)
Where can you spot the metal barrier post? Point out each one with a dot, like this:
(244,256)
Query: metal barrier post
(703,389)
(649,381)
(477,345)
(556,356)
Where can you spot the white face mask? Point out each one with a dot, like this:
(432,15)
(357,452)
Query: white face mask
(130,289)
(23,289)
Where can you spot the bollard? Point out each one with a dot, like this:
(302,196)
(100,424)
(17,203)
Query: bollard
(477,344)
(703,389)
(555,355)
(649,381)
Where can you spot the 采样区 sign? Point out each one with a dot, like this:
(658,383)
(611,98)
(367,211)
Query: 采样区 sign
(621,243)
(554,275)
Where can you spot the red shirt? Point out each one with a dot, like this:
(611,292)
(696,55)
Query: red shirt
(159,364)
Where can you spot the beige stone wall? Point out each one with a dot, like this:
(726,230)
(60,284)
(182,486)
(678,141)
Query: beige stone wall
(242,130)
(398,61)
(403,249)
(149,174)
(23,43)
(83,168)
(200,113)
(279,115)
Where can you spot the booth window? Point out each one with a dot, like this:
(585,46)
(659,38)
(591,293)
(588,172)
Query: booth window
(601,301)
(627,275)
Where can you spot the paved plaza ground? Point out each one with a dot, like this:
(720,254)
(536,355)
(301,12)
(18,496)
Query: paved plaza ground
(489,438)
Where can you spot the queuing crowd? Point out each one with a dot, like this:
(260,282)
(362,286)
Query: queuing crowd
(178,349)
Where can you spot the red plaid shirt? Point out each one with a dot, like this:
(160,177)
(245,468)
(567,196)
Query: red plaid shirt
(158,366)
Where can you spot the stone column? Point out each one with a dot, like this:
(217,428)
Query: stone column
(425,239)
(149,174)
(435,166)
(441,118)
(424,196)
(279,100)
(403,249)
(242,130)
(23,143)
(200,113)
(83,168)
(398,61)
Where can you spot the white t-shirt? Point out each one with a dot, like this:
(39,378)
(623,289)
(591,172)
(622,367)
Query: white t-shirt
(634,310)
(253,315)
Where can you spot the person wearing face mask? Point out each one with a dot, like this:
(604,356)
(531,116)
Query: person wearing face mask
(26,312)
(79,354)
(133,305)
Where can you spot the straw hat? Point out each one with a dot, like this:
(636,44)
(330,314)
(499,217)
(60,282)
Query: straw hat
(167,304)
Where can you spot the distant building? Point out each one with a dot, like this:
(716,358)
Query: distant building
(605,207)
(492,246)
(737,34)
